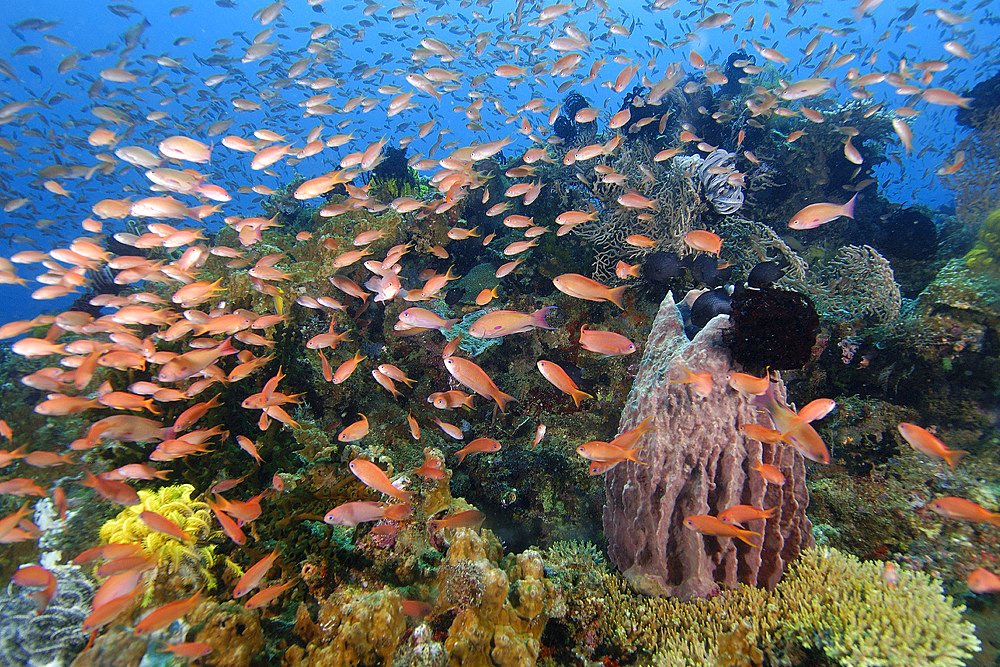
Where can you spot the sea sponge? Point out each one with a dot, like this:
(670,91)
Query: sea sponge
(356,628)
(505,626)
(191,516)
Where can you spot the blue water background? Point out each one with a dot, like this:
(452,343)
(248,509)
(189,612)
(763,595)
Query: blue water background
(57,134)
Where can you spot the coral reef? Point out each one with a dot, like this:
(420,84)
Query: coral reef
(977,184)
(857,614)
(829,606)
(984,256)
(233,632)
(53,637)
(697,462)
(680,207)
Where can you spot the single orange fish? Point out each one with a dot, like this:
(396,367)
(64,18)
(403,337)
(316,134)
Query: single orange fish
(982,581)
(555,374)
(268,595)
(254,575)
(965,510)
(188,649)
(162,524)
(700,380)
(35,576)
(607,343)
(927,443)
(582,287)
(706,241)
(710,525)
(467,519)
(744,513)
(373,476)
(355,431)
(770,473)
(163,616)
(475,378)
(476,446)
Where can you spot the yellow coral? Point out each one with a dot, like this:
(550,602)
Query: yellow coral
(985,254)
(828,601)
(191,516)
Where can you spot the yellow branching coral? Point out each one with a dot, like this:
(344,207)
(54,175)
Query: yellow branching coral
(834,602)
(828,601)
(191,516)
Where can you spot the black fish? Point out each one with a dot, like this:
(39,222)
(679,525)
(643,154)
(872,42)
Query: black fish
(765,274)
(708,305)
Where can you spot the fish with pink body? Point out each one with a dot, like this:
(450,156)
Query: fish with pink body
(500,323)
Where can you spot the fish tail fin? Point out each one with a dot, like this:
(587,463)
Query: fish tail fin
(769,513)
(953,457)
(744,535)
(449,324)
(461,456)
(502,400)
(578,395)
(226,348)
(630,455)
(538,317)
(616,295)
(848,208)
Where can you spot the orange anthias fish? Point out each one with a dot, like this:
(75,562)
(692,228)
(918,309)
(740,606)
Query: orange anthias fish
(582,287)
(607,343)
(964,510)
(375,477)
(982,581)
(254,575)
(710,525)
(500,323)
(706,241)
(700,380)
(268,595)
(769,473)
(35,576)
(555,374)
(475,378)
(355,431)
(814,215)
(467,519)
(477,446)
(744,513)
(163,616)
(926,443)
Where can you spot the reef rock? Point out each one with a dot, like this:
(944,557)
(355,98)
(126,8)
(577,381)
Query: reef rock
(698,462)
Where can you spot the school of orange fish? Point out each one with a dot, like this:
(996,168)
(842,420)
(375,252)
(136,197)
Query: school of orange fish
(530,47)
